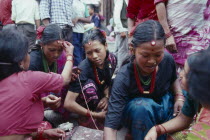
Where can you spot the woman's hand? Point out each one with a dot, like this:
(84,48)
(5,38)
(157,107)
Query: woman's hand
(151,135)
(75,73)
(103,104)
(100,115)
(54,134)
(177,107)
(171,45)
(68,47)
(52,101)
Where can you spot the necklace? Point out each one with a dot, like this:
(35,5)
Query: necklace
(96,72)
(46,66)
(96,76)
(138,81)
(147,82)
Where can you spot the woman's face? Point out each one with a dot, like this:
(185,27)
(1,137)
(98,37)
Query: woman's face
(149,56)
(183,76)
(52,51)
(96,52)
(90,10)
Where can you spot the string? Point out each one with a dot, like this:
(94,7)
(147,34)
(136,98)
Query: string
(86,103)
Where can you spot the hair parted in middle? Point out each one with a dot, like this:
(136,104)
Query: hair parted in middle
(148,31)
(94,35)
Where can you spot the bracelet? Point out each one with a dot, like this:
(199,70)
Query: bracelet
(180,95)
(70,60)
(40,133)
(158,130)
(164,129)
(69,55)
(88,113)
(180,100)
(169,34)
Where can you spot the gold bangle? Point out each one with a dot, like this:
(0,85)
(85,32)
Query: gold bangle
(180,100)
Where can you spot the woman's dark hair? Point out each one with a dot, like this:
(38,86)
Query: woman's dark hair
(148,31)
(51,33)
(95,8)
(199,77)
(93,35)
(13,49)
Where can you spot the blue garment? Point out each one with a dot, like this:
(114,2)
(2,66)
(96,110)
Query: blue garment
(125,89)
(141,114)
(190,107)
(96,20)
(78,48)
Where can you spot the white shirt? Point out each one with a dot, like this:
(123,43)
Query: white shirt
(25,11)
(117,16)
(79,11)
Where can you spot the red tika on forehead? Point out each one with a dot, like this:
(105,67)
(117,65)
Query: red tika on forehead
(153,43)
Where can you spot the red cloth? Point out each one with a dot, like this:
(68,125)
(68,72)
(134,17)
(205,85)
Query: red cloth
(143,9)
(6,12)
(21,107)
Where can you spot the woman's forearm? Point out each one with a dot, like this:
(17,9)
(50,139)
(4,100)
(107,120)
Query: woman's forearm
(131,24)
(179,123)
(110,134)
(67,71)
(75,107)
(162,16)
(176,88)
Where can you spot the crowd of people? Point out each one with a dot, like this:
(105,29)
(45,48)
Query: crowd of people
(55,70)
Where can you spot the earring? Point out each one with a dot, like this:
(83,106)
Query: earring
(22,67)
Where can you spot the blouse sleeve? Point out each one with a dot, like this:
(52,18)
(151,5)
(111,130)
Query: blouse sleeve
(117,102)
(133,9)
(189,108)
(40,82)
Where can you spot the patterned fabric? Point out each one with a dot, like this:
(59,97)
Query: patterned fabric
(43,126)
(83,133)
(199,131)
(58,11)
(189,27)
(94,92)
